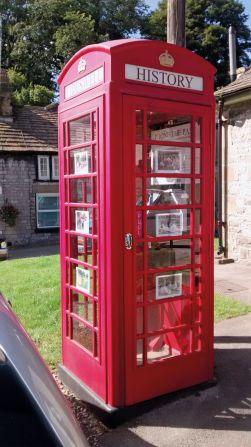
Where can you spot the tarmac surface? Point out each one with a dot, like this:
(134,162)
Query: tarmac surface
(218,415)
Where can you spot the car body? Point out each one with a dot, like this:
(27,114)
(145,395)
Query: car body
(33,410)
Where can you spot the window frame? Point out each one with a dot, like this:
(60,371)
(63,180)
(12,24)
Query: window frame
(46,194)
(53,175)
(40,176)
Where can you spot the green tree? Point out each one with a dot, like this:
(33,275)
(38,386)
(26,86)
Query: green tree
(25,93)
(41,35)
(207,23)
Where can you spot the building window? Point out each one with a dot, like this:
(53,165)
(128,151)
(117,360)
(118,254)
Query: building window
(47,167)
(47,210)
(43,167)
(54,161)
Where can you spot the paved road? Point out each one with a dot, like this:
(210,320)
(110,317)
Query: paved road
(218,416)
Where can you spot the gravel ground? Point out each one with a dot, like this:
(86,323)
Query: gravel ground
(89,423)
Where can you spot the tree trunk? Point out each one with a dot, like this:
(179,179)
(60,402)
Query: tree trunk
(176,12)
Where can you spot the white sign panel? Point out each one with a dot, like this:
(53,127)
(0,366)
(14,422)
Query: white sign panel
(161,77)
(86,82)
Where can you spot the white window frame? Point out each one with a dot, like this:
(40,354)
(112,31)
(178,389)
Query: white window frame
(54,159)
(46,194)
(40,176)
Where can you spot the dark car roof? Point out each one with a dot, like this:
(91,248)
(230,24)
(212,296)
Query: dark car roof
(22,355)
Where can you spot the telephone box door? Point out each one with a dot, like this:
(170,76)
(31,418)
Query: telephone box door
(168,196)
(81,246)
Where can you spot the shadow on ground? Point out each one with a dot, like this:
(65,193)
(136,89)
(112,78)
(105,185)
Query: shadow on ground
(214,416)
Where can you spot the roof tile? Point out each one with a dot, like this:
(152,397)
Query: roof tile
(33,129)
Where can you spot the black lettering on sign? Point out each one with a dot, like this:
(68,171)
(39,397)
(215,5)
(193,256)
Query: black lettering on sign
(171,79)
(141,74)
(155,76)
(181,81)
(189,80)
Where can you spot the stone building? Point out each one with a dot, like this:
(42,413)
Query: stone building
(234,107)
(28,171)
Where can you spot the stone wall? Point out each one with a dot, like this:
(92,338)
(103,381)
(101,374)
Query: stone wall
(238,170)
(17,180)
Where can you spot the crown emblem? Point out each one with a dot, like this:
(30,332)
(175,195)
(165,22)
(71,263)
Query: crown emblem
(166,59)
(81,65)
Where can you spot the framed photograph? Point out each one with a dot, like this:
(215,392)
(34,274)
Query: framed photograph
(82,221)
(167,160)
(83,279)
(168,286)
(81,162)
(169,224)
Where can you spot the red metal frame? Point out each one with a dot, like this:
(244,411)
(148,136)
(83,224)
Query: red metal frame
(198,361)
(114,375)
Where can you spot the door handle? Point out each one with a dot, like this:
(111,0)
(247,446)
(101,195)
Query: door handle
(128,241)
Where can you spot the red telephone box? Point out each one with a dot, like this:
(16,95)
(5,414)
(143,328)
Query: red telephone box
(136,147)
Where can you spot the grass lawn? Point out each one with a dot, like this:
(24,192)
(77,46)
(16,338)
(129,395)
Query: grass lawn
(225,307)
(32,286)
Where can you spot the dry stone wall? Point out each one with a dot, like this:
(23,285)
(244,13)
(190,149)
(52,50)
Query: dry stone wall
(17,177)
(239,182)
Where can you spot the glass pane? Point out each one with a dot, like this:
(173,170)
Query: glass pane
(139,352)
(139,191)
(168,345)
(94,125)
(197,338)
(166,126)
(55,168)
(169,285)
(198,123)
(169,160)
(47,202)
(95,221)
(198,281)
(94,159)
(140,320)
(139,288)
(43,167)
(139,124)
(68,326)
(168,223)
(81,249)
(197,191)
(197,160)
(95,322)
(96,344)
(139,257)
(169,253)
(80,161)
(82,334)
(80,130)
(94,252)
(82,306)
(169,315)
(197,251)
(139,157)
(47,219)
(197,309)
(168,191)
(81,220)
(95,283)
(81,190)
(197,222)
